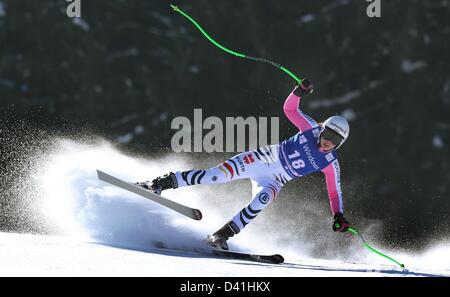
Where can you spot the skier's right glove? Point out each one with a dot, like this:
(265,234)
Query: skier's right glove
(304,88)
(340,223)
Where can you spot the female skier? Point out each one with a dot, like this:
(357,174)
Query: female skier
(312,149)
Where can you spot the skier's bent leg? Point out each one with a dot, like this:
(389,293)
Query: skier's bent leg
(263,195)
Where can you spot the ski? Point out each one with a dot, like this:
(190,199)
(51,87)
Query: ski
(207,251)
(184,210)
(272,259)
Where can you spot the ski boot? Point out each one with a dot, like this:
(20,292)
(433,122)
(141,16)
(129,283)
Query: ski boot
(219,238)
(159,184)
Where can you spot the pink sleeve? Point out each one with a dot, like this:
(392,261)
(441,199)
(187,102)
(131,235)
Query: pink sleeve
(333,180)
(295,115)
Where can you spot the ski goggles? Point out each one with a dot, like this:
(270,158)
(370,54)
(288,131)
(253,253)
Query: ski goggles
(332,136)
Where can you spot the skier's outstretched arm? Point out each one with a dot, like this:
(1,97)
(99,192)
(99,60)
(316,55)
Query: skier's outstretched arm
(333,180)
(292,107)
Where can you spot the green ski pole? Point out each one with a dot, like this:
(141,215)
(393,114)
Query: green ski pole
(258,59)
(366,245)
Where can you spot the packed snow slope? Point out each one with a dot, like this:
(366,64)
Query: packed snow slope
(97,229)
(36,255)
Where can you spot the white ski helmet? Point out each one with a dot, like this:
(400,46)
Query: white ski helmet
(339,126)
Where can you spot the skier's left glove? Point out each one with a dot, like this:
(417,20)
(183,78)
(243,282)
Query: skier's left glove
(304,88)
(340,223)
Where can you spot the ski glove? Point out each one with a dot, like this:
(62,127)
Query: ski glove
(304,88)
(340,223)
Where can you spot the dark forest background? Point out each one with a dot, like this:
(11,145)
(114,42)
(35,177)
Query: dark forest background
(127,68)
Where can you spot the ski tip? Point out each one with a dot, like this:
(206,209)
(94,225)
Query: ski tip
(197,215)
(99,173)
(278,259)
